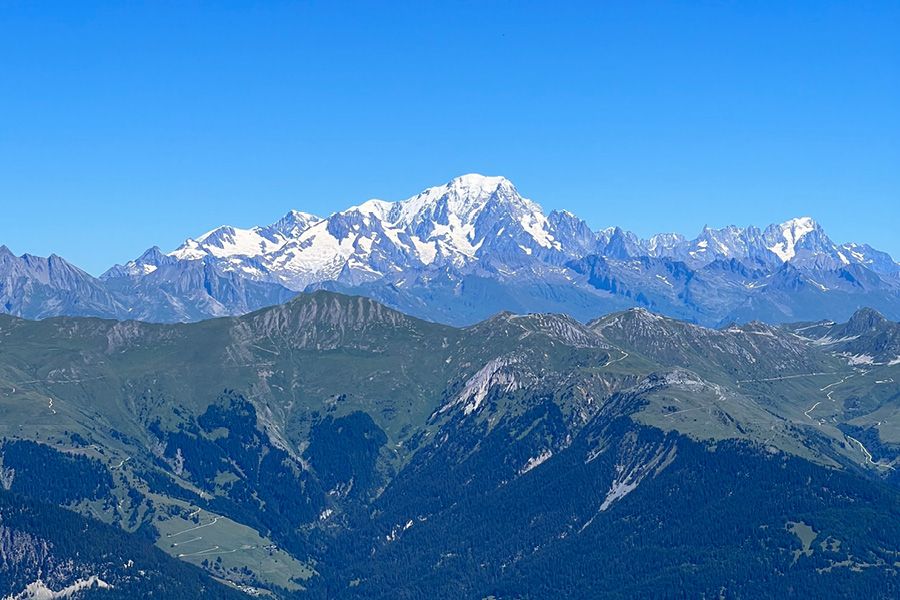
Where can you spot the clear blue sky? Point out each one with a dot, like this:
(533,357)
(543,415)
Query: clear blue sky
(129,124)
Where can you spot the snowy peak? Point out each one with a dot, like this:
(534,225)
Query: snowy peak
(788,236)
(462,198)
(228,241)
(867,256)
(664,244)
(479,225)
(294,223)
(474,190)
(483,183)
(799,241)
(466,194)
(145,264)
(469,248)
(470,210)
(455,224)
(728,242)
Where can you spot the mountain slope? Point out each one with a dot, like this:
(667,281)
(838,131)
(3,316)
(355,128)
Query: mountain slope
(47,550)
(156,288)
(36,287)
(334,447)
(459,252)
(867,338)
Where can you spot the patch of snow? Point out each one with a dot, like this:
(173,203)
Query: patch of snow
(535,224)
(828,341)
(427,251)
(397,530)
(227,241)
(859,359)
(536,461)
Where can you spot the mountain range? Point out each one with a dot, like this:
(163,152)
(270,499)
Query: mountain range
(332,447)
(459,252)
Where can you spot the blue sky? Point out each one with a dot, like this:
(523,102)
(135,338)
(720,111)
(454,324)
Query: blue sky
(129,124)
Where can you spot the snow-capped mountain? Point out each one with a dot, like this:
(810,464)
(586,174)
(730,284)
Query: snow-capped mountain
(227,241)
(796,241)
(455,225)
(866,255)
(476,219)
(460,251)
